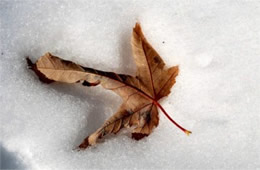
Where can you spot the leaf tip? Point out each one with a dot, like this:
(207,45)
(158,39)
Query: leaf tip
(137,29)
(84,144)
(48,54)
(34,68)
(30,64)
(137,25)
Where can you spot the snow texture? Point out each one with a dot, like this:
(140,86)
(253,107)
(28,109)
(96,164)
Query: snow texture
(217,94)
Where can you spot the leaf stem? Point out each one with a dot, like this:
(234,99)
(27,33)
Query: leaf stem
(166,114)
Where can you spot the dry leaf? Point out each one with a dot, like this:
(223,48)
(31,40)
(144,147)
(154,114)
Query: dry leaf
(140,94)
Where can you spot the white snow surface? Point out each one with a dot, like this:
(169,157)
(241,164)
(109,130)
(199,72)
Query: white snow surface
(217,94)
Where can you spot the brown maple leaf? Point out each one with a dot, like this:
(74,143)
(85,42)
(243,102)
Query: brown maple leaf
(140,94)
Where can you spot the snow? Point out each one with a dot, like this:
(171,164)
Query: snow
(217,94)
